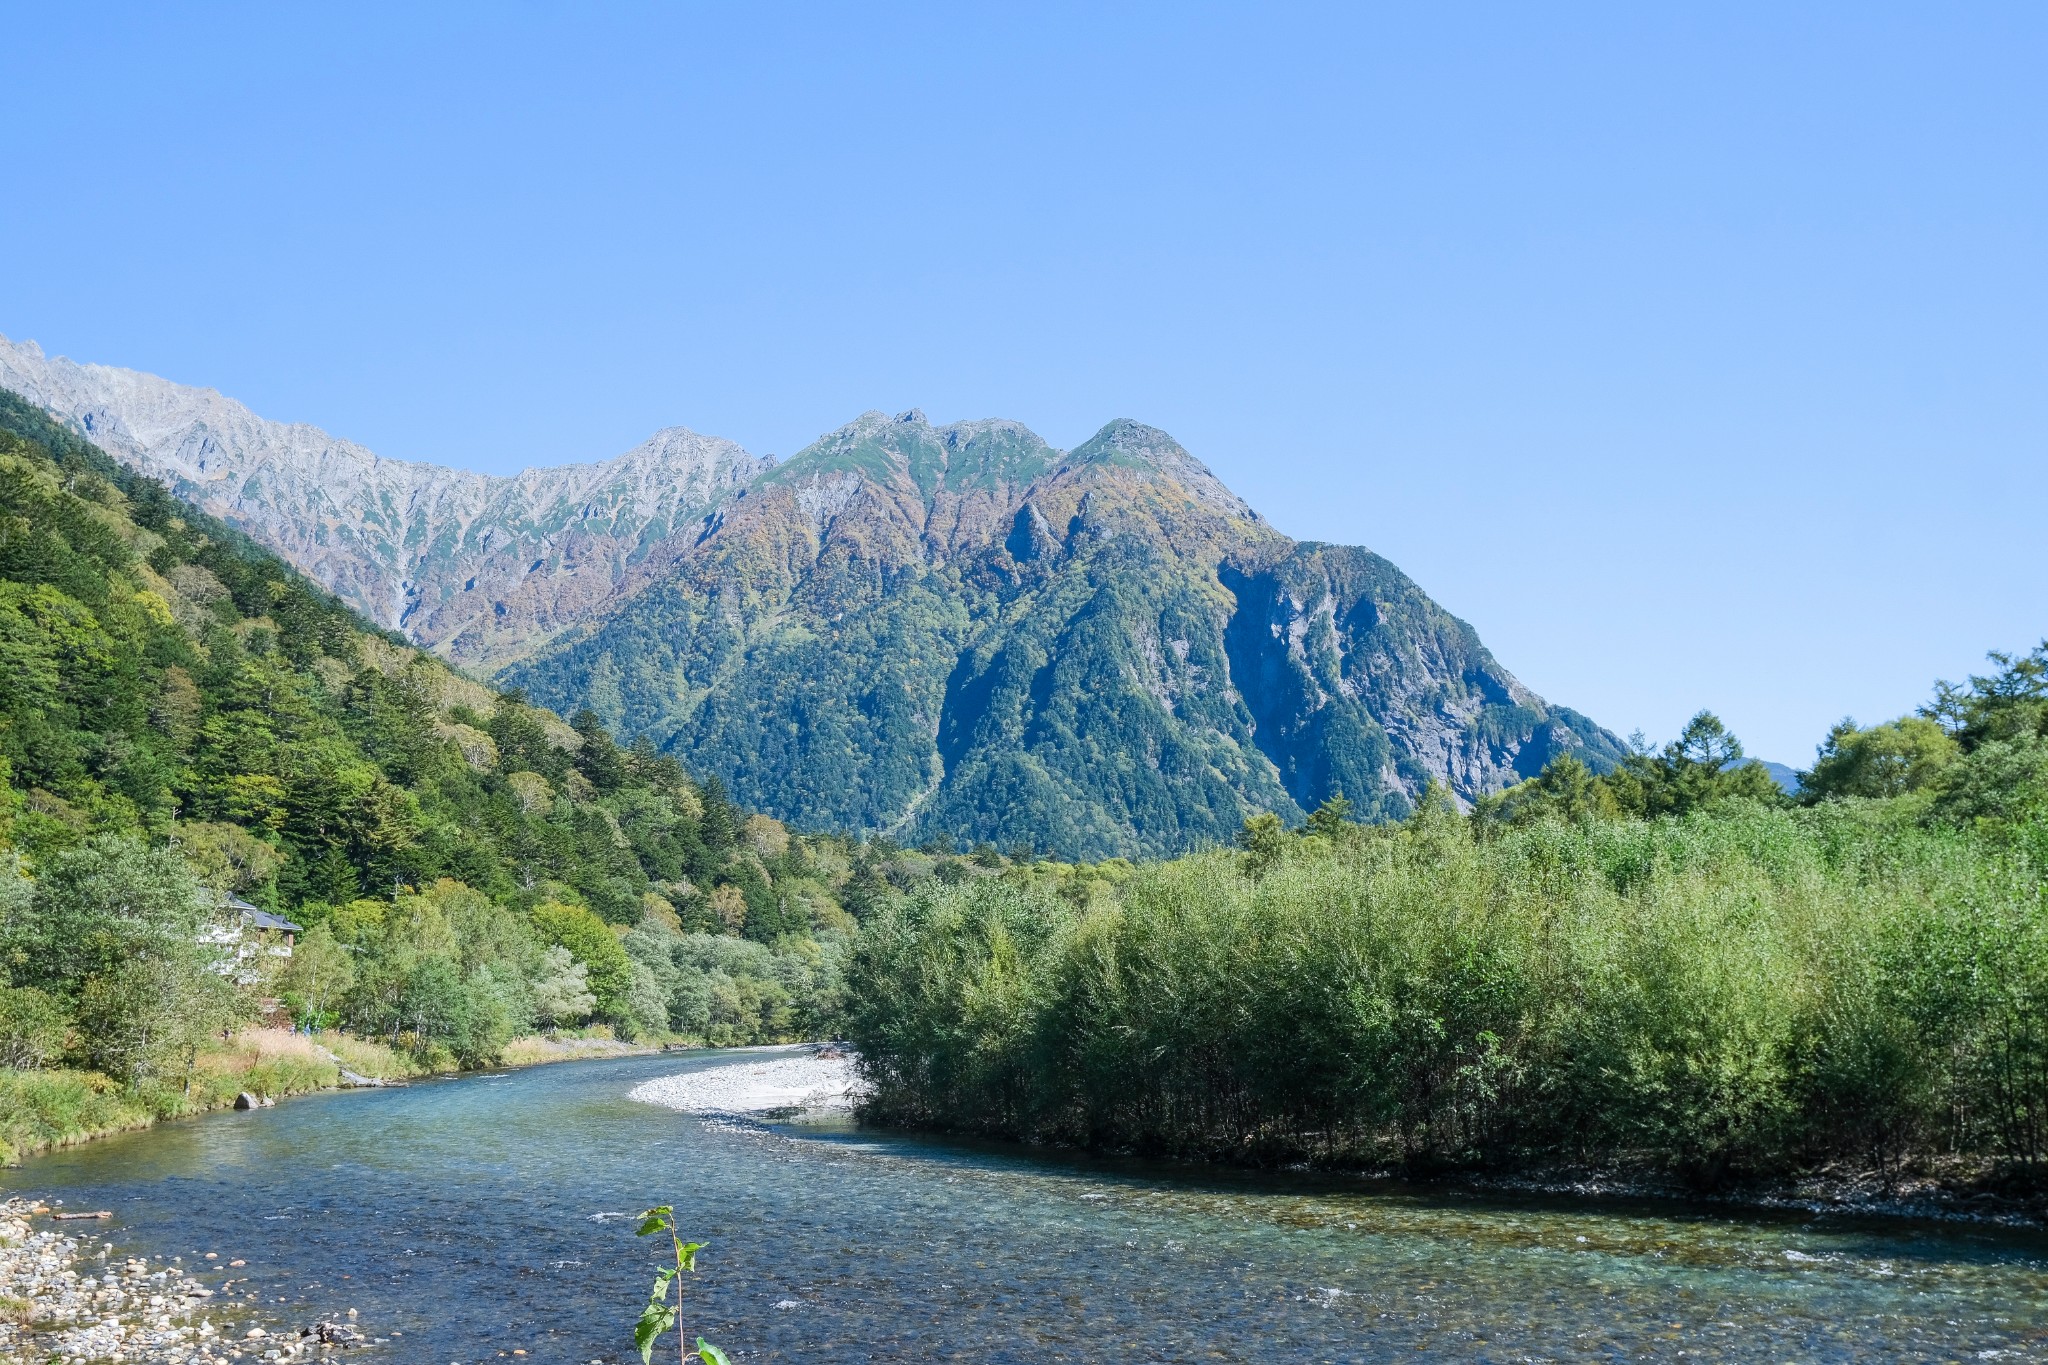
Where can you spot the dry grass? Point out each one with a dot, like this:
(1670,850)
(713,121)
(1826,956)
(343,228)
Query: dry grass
(270,1044)
(262,1061)
(598,1042)
(368,1057)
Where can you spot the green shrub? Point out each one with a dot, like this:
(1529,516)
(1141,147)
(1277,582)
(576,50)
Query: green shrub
(43,1109)
(1743,991)
(33,1027)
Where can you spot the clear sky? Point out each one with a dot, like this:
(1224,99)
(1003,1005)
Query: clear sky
(1695,354)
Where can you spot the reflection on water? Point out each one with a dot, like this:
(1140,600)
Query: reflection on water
(481,1216)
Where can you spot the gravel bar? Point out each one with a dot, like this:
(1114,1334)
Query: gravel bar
(818,1081)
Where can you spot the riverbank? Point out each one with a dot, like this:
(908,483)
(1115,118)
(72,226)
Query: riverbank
(63,1297)
(468,1221)
(826,1080)
(1948,1189)
(538,1049)
(47,1109)
(1802,1008)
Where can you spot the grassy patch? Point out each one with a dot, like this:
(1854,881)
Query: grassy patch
(44,1109)
(367,1057)
(264,1062)
(40,1110)
(566,1047)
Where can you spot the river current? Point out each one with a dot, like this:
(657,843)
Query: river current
(467,1219)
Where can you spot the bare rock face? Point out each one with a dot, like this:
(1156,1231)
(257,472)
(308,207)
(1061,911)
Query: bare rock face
(478,568)
(953,629)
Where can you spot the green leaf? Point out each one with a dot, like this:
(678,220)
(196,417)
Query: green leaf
(658,1318)
(659,1294)
(654,1220)
(710,1354)
(686,1254)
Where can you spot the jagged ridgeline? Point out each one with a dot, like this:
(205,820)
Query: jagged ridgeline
(924,630)
(960,630)
(165,676)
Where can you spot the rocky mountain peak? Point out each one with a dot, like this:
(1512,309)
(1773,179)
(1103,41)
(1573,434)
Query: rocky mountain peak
(674,460)
(1135,445)
(930,460)
(479,567)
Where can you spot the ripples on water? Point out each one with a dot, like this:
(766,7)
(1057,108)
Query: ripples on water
(479,1216)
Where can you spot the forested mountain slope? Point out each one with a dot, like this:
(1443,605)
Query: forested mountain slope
(183,710)
(926,630)
(960,630)
(164,670)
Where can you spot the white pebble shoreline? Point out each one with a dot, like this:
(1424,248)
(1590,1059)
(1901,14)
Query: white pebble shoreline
(810,1081)
(85,1305)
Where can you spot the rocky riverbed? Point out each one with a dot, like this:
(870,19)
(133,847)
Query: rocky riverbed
(66,1296)
(813,1080)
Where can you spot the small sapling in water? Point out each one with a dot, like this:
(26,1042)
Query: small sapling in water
(660,1314)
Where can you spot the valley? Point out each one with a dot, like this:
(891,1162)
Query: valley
(1067,742)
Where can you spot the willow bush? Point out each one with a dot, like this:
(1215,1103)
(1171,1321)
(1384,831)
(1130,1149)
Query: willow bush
(1741,992)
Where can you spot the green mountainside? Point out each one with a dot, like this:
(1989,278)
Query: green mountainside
(164,669)
(951,631)
(185,718)
(961,631)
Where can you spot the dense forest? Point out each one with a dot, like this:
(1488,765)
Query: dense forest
(1671,968)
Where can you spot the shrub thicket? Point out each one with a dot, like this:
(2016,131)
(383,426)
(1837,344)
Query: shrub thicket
(1742,990)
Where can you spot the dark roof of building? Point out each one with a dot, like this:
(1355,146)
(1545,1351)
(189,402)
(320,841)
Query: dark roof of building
(263,919)
(258,916)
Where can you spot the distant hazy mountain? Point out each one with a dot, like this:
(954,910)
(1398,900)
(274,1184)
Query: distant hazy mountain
(1785,776)
(923,629)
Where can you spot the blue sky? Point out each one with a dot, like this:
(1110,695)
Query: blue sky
(1694,354)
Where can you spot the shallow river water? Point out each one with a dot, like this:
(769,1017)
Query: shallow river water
(467,1219)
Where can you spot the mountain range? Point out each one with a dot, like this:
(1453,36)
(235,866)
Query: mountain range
(924,629)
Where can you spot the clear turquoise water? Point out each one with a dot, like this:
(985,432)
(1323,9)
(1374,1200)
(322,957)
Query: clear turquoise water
(481,1215)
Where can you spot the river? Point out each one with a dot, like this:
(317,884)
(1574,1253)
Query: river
(467,1219)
